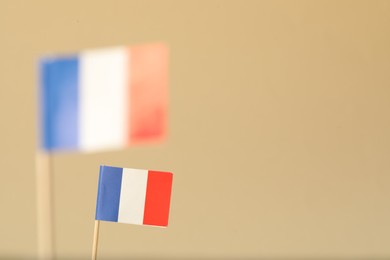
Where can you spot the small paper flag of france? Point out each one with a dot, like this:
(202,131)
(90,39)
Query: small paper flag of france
(104,99)
(134,196)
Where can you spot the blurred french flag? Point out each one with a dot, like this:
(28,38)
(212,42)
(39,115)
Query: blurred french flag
(104,99)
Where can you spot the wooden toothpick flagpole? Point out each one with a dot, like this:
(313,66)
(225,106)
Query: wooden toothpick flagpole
(45,218)
(95,239)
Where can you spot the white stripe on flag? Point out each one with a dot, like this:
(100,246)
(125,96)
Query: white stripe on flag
(103,95)
(132,198)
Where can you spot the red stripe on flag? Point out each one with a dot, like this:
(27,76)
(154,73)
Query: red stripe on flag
(148,93)
(158,197)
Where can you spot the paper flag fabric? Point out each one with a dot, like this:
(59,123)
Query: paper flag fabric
(104,99)
(134,196)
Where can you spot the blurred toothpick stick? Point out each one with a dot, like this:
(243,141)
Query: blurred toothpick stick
(45,218)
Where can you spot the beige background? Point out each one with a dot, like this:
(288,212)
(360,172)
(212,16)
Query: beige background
(279,128)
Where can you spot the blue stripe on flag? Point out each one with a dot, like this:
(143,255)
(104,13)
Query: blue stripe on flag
(109,190)
(60,102)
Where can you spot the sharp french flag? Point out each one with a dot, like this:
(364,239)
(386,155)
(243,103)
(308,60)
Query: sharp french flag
(104,99)
(134,196)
